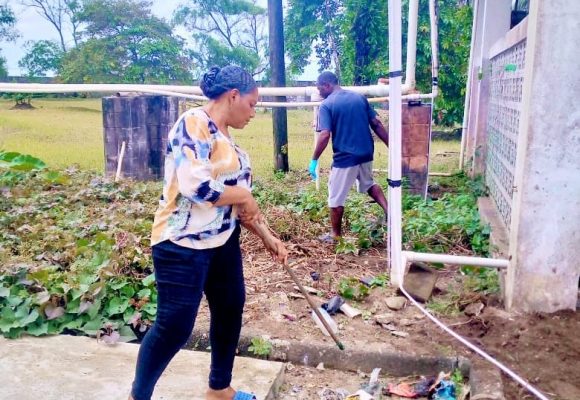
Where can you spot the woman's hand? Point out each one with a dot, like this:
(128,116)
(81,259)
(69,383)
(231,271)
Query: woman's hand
(272,243)
(277,249)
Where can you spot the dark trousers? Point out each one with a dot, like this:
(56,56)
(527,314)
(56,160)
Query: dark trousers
(182,275)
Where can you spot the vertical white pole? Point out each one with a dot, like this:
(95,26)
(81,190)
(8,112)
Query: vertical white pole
(396,266)
(468,86)
(434,22)
(412,44)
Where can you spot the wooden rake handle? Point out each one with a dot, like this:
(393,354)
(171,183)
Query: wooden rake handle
(268,239)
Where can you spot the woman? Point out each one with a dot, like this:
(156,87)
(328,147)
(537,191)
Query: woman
(195,238)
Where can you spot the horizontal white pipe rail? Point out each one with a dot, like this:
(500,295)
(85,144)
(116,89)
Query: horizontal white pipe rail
(162,90)
(372,90)
(296,104)
(456,260)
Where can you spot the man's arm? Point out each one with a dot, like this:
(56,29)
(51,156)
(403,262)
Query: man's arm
(321,144)
(379,129)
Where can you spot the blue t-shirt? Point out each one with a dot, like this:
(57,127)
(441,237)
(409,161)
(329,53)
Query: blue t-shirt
(347,116)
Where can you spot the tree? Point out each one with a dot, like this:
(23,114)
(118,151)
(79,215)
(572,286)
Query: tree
(8,33)
(358,31)
(125,43)
(227,32)
(365,45)
(41,57)
(455,42)
(61,14)
(311,22)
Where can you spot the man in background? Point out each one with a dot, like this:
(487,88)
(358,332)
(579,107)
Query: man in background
(346,116)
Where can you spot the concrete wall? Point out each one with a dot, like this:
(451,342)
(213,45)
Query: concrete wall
(142,122)
(545,227)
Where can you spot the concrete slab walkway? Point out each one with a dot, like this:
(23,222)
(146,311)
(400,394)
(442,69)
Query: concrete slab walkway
(80,368)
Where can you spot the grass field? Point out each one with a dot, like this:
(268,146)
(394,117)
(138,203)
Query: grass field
(70,131)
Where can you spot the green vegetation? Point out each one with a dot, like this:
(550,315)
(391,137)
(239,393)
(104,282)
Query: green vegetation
(60,132)
(260,347)
(226,32)
(70,259)
(75,255)
(121,41)
(459,380)
(352,289)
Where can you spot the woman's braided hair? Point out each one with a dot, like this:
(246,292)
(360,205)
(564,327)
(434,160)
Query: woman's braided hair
(218,81)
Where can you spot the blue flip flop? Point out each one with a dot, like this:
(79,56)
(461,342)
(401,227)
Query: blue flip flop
(244,396)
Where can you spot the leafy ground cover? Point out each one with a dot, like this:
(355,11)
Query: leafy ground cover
(74,246)
(75,258)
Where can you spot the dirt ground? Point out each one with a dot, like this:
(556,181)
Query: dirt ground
(544,349)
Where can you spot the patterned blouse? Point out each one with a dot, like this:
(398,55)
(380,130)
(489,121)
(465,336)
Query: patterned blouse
(199,162)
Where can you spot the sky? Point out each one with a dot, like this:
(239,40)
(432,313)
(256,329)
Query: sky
(32,26)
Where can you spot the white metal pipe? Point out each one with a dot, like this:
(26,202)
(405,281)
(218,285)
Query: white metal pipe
(412,43)
(96,87)
(434,20)
(456,260)
(396,267)
(468,344)
(156,89)
(466,104)
(372,90)
(295,104)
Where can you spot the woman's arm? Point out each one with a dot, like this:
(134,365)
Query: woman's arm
(249,210)
(191,147)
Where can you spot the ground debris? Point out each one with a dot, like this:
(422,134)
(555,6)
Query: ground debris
(396,303)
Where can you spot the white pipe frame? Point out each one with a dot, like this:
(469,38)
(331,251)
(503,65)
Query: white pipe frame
(456,260)
(411,67)
(397,269)
(467,103)
(380,92)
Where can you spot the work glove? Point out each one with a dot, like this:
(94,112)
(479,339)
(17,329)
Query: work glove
(312,168)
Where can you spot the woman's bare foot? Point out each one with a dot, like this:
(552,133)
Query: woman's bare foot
(224,394)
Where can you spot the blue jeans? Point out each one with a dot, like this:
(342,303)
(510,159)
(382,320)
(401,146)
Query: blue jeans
(182,275)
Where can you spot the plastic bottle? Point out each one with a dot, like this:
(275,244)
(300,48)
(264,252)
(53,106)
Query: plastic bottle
(328,319)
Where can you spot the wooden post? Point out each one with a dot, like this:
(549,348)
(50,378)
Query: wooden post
(120,162)
(279,115)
